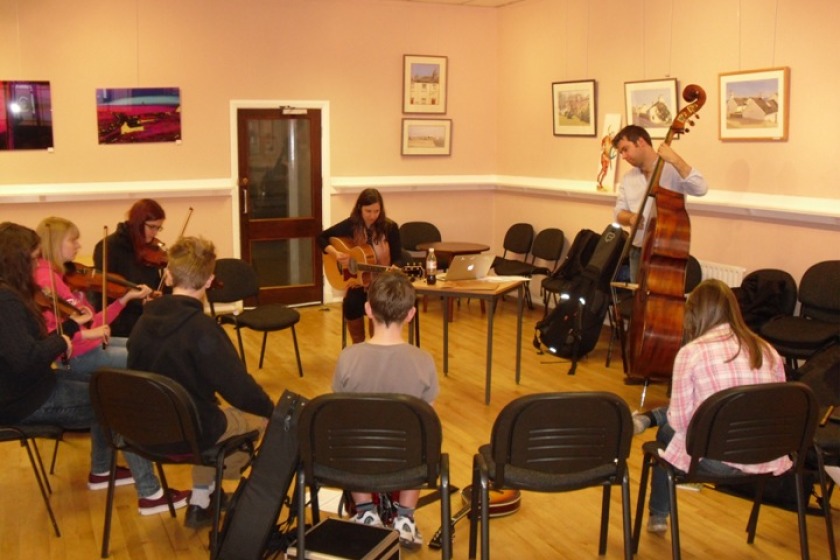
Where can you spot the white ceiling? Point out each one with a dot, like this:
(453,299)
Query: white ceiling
(476,3)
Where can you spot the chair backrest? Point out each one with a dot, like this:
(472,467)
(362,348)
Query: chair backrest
(753,424)
(370,441)
(548,245)
(414,233)
(585,434)
(519,238)
(236,279)
(818,292)
(154,414)
(764,294)
(822,374)
(693,274)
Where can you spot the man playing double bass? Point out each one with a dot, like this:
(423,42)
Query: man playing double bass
(634,145)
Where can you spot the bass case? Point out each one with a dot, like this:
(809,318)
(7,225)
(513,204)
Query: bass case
(251,518)
(573,327)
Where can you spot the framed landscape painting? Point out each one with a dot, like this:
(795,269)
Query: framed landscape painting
(651,104)
(574,108)
(755,105)
(426,137)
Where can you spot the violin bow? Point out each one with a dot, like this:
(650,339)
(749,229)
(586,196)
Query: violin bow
(53,294)
(105,283)
(180,235)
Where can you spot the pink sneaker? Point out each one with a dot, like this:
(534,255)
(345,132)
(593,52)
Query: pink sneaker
(149,506)
(100,481)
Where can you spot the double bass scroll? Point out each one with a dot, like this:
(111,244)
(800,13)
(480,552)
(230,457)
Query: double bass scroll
(656,327)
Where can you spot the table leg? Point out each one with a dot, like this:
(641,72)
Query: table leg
(446,335)
(521,306)
(491,313)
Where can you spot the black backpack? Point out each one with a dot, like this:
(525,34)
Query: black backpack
(572,328)
(573,264)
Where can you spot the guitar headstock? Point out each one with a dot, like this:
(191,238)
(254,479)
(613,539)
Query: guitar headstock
(696,98)
(414,271)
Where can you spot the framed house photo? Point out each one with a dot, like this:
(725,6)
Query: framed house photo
(574,108)
(754,105)
(427,137)
(651,104)
(424,84)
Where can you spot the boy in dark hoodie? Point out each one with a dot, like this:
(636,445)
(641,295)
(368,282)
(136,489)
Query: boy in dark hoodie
(175,338)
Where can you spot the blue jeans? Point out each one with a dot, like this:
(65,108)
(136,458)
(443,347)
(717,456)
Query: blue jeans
(115,356)
(660,501)
(69,407)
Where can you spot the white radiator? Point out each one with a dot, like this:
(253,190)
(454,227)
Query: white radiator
(729,274)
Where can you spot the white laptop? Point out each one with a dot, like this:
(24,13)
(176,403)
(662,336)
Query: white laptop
(468,267)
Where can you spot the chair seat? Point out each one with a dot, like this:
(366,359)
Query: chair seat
(265,318)
(13,432)
(518,268)
(800,334)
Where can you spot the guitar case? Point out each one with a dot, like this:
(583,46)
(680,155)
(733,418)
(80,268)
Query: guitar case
(573,327)
(255,507)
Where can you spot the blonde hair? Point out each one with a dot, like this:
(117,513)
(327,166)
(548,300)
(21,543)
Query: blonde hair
(53,231)
(191,262)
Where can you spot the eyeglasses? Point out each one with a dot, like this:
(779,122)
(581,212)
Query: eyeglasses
(153,227)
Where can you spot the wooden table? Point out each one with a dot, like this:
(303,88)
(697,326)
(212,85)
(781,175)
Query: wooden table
(483,290)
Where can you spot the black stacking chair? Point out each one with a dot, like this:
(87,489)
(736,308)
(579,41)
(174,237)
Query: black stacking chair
(238,281)
(154,417)
(394,445)
(547,247)
(518,240)
(765,294)
(745,425)
(818,323)
(555,442)
(26,435)
(414,233)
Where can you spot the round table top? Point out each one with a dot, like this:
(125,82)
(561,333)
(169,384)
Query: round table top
(454,247)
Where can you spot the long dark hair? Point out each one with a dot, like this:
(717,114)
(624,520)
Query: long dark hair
(379,229)
(712,303)
(17,243)
(142,211)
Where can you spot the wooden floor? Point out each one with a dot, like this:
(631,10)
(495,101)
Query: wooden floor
(547,525)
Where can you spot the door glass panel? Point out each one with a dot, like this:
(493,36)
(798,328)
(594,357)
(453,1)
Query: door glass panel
(279,168)
(283,262)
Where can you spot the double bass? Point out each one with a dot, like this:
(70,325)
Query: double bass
(656,327)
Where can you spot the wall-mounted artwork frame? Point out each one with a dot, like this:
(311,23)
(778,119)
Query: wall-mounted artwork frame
(755,104)
(425,80)
(138,115)
(426,137)
(25,115)
(574,108)
(651,104)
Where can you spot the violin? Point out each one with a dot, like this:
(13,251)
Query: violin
(80,277)
(44,300)
(154,254)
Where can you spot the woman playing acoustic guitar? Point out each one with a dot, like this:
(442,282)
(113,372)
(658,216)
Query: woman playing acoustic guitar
(366,227)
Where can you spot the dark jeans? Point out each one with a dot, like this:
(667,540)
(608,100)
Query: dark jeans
(660,503)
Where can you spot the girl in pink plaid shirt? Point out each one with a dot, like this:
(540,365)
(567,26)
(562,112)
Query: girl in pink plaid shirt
(721,352)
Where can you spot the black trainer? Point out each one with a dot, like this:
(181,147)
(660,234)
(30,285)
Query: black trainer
(198,517)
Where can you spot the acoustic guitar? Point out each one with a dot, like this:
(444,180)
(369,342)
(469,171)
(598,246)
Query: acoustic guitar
(360,267)
(502,502)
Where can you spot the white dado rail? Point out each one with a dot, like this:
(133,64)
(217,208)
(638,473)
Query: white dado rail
(810,211)
(796,209)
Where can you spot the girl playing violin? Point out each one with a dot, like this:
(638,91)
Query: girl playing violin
(60,240)
(135,253)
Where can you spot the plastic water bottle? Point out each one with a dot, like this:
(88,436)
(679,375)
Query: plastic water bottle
(431,267)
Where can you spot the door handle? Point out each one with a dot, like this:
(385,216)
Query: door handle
(244,184)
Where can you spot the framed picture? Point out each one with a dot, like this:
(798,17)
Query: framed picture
(424,84)
(26,118)
(651,104)
(136,115)
(754,105)
(426,137)
(574,108)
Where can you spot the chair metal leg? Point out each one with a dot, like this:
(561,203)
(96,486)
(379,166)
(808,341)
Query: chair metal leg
(301,511)
(262,350)
(241,347)
(217,507)
(625,515)
(43,471)
(165,488)
(55,456)
(605,520)
(109,504)
(756,507)
(801,506)
(473,515)
(647,464)
(826,502)
(43,486)
(675,523)
(297,352)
